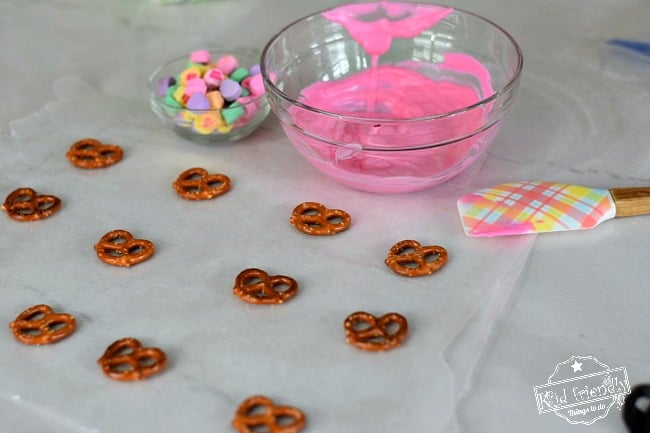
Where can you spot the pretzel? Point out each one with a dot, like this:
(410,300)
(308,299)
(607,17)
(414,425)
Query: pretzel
(119,248)
(259,413)
(25,204)
(374,334)
(40,325)
(317,220)
(256,287)
(90,153)
(411,259)
(197,184)
(127,360)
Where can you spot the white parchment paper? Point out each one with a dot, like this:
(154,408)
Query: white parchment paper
(222,350)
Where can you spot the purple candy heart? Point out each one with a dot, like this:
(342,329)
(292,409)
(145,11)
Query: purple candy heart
(165,83)
(230,89)
(198,101)
(254,70)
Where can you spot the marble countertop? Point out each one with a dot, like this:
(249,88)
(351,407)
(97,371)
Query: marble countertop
(484,331)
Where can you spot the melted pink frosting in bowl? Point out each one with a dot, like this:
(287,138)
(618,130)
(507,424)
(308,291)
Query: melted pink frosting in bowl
(399,20)
(395,126)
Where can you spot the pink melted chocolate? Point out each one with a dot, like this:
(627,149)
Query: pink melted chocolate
(388,92)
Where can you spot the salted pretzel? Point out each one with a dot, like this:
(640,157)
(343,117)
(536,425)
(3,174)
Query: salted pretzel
(255,286)
(25,204)
(40,325)
(197,184)
(259,413)
(90,153)
(315,219)
(120,248)
(411,259)
(368,332)
(127,360)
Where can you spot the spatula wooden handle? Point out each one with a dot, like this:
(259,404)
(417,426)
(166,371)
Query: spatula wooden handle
(631,201)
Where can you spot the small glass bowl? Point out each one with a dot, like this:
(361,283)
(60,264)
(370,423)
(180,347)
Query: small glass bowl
(198,125)
(373,151)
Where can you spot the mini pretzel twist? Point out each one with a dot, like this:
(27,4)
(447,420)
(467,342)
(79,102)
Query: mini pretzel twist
(90,153)
(260,412)
(197,184)
(368,332)
(315,219)
(25,204)
(410,259)
(120,248)
(255,286)
(40,325)
(127,360)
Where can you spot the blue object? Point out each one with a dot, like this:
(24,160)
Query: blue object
(636,46)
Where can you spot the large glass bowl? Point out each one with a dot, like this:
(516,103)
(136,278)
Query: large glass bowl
(368,149)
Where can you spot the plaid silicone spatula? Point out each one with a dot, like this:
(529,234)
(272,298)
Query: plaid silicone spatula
(537,207)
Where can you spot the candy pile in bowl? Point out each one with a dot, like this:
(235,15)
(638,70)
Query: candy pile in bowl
(210,96)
